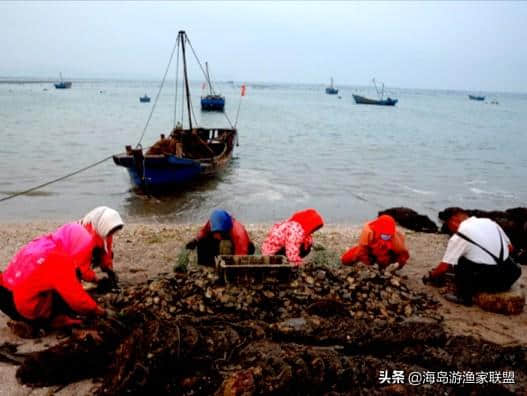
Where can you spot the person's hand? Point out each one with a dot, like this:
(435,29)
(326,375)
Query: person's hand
(427,278)
(110,313)
(100,311)
(112,276)
(191,245)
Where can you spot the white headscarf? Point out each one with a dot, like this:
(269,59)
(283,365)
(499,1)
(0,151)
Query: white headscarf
(103,220)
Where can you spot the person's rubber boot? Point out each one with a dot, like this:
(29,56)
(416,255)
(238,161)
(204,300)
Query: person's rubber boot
(457,300)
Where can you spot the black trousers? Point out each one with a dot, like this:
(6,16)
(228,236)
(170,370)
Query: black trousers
(209,248)
(473,277)
(7,304)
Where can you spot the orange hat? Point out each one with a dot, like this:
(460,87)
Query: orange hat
(383,227)
(309,219)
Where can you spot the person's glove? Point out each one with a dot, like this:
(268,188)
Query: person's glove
(191,245)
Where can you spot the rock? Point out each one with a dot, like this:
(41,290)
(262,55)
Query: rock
(410,219)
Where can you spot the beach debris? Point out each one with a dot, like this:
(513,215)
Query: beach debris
(410,219)
(513,221)
(508,303)
(326,330)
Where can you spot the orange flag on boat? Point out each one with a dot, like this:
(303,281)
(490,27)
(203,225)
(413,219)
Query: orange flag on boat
(243,90)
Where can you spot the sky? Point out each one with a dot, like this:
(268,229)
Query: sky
(477,46)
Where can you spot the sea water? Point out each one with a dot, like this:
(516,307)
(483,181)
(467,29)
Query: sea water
(298,148)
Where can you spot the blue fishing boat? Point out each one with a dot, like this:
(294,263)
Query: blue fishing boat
(473,97)
(380,102)
(62,84)
(212,101)
(144,99)
(331,90)
(186,155)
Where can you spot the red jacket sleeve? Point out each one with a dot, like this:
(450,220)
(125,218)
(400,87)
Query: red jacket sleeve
(66,284)
(205,230)
(240,238)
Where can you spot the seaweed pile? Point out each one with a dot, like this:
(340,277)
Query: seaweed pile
(329,330)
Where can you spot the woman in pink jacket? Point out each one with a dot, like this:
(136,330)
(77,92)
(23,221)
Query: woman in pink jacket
(292,237)
(41,286)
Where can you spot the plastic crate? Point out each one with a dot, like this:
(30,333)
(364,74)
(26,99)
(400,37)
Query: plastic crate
(254,269)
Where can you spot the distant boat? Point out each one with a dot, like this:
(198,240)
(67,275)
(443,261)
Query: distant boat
(474,97)
(213,101)
(331,90)
(186,155)
(381,101)
(384,102)
(62,84)
(144,99)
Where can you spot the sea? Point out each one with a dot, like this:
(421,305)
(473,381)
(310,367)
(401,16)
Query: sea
(298,148)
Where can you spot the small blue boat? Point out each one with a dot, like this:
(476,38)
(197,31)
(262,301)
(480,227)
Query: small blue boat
(213,101)
(144,99)
(331,90)
(62,84)
(474,97)
(184,156)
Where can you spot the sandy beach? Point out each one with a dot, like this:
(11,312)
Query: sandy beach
(144,250)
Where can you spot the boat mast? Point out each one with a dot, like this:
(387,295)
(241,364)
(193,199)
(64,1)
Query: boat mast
(208,77)
(331,84)
(182,36)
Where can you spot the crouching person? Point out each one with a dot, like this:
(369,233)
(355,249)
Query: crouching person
(222,234)
(292,237)
(478,253)
(380,243)
(41,285)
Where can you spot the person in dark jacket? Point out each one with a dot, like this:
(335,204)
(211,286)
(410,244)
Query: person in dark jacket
(222,234)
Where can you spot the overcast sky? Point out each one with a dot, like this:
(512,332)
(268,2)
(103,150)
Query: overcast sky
(447,45)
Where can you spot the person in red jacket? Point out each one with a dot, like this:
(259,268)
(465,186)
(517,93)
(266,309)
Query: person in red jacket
(292,237)
(221,226)
(380,242)
(41,286)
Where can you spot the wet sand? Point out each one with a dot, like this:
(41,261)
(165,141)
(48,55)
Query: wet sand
(143,251)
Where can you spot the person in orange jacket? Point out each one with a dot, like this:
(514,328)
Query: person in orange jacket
(380,243)
(103,223)
(221,226)
(41,285)
(292,237)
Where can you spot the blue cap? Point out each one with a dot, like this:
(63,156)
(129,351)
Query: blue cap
(220,221)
